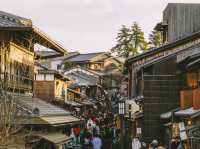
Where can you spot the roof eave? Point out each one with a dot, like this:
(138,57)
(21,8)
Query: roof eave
(29,28)
(162,48)
(46,41)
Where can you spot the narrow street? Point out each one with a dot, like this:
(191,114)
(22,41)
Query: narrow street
(119,74)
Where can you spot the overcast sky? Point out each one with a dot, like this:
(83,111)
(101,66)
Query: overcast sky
(88,25)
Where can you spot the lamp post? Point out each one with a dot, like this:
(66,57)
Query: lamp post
(121,114)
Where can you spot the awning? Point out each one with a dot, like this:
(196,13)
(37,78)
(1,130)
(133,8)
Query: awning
(73,103)
(76,92)
(195,62)
(54,121)
(189,112)
(87,102)
(55,138)
(168,114)
(59,120)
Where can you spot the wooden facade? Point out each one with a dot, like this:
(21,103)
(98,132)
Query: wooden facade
(17,39)
(181,19)
(49,85)
(159,75)
(17,59)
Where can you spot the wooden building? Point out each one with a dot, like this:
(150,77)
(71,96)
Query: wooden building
(179,21)
(93,61)
(17,55)
(102,63)
(17,39)
(156,78)
(86,81)
(50,85)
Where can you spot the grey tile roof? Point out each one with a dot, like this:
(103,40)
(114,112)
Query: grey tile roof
(46,53)
(83,79)
(10,20)
(53,56)
(84,57)
(45,109)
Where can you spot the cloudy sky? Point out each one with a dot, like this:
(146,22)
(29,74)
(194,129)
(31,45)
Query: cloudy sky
(88,25)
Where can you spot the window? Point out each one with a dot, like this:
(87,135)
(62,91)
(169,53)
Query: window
(40,77)
(49,77)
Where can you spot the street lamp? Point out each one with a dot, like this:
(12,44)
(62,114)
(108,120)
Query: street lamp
(121,114)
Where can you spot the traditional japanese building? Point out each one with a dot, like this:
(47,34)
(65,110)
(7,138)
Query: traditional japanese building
(103,63)
(86,81)
(17,55)
(50,85)
(156,77)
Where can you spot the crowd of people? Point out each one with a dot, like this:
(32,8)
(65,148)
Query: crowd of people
(99,132)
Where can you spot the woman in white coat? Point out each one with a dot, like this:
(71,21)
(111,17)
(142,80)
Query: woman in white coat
(136,144)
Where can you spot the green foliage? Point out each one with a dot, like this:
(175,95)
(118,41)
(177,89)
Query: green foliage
(130,41)
(155,38)
(68,65)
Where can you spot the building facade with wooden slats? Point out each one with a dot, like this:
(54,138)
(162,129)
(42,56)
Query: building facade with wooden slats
(17,56)
(17,39)
(157,77)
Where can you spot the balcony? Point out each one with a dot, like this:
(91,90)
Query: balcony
(16,82)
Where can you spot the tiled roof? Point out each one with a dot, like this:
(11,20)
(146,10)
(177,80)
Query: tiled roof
(83,79)
(53,56)
(10,20)
(43,108)
(46,53)
(84,57)
(55,138)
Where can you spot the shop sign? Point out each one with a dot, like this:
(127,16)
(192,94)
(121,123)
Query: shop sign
(181,126)
(183,135)
(138,131)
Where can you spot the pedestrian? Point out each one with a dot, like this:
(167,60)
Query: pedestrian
(136,144)
(87,140)
(96,129)
(72,135)
(154,144)
(96,142)
(77,134)
(175,143)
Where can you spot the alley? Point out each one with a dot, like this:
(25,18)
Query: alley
(140,92)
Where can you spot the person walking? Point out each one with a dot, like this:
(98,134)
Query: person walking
(77,134)
(154,144)
(96,142)
(136,144)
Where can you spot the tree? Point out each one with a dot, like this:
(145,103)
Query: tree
(155,38)
(123,47)
(68,65)
(130,41)
(137,38)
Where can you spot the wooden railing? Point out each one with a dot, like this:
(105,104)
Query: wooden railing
(17,82)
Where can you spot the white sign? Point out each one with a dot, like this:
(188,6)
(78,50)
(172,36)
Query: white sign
(183,135)
(138,131)
(181,126)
